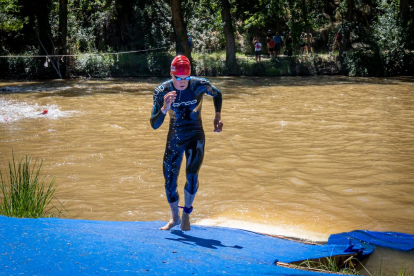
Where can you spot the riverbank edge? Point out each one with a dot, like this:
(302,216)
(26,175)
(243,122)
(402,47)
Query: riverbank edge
(208,65)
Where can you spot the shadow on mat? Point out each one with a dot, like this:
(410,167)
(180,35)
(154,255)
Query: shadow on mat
(190,240)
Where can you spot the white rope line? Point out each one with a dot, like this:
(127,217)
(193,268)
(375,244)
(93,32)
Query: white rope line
(87,54)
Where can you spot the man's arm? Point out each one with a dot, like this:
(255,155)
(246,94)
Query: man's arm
(218,124)
(201,85)
(217,99)
(157,115)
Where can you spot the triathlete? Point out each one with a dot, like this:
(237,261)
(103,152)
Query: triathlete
(182,97)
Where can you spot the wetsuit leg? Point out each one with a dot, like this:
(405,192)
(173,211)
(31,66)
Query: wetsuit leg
(194,154)
(172,162)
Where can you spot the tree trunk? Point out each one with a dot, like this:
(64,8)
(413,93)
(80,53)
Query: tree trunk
(229,34)
(307,28)
(346,43)
(181,42)
(43,8)
(124,10)
(63,31)
(404,9)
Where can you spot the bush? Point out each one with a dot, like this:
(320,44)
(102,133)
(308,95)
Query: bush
(381,51)
(30,67)
(210,64)
(408,64)
(363,62)
(25,194)
(158,64)
(93,65)
(123,65)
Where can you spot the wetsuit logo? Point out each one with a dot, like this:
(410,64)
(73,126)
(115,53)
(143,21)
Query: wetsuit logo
(184,103)
(159,89)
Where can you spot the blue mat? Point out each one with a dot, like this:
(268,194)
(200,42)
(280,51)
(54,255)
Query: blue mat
(393,240)
(64,247)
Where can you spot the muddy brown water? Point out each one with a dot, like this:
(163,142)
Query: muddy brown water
(303,157)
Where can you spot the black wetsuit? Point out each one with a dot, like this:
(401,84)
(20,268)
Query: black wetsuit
(186,132)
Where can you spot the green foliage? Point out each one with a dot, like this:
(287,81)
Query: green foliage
(158,64)
(18,67)
(210,65)
(94,65)
(25,67)
(305,16)
(381,49)
(9,19)
(390,37)
(264,13)
(205,25)
(380,39)
(25,194)
(214,65)
(363,62)
(123,65)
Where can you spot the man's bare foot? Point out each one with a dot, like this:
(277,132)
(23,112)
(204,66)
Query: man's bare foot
(185,224)
(171,224)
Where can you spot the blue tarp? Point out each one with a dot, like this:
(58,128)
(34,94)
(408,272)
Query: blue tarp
(64,247)
(393,240)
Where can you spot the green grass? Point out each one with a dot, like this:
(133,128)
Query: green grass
(214,64)
(404,272)
(349,267)
(25,194)
(158,64)
(330,264)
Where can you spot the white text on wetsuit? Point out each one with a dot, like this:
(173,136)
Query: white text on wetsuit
(184,103)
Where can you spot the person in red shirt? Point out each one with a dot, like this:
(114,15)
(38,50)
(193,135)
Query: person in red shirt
(271,46)
(337,41)
(257,48)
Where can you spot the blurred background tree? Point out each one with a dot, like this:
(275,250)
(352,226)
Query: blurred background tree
(100,26)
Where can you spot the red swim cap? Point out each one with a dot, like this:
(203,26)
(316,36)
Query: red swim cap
(180,66)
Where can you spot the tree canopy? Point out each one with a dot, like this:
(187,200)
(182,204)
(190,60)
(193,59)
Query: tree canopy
(91,26)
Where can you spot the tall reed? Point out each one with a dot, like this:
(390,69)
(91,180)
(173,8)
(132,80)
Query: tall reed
(25,194)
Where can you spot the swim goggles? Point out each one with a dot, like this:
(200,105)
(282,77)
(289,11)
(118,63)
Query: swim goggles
(180,79)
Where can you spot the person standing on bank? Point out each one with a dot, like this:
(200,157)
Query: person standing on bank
(257,48)
(278,43)
(190,42)
(270,46)
(182,97)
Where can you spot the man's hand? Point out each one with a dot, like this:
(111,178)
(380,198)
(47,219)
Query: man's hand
(218,124)
(169,98)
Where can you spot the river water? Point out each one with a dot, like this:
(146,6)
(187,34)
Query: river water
(302,157)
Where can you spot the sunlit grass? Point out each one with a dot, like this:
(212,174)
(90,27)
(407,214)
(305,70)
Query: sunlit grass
(214,64)
(330,264)
(349,267)
(404,272)
(25,194)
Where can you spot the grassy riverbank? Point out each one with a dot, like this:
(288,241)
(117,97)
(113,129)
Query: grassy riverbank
(158,63)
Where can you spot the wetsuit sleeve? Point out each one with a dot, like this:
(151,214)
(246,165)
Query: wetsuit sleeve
(157,117)
(201,85)
(217,98)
